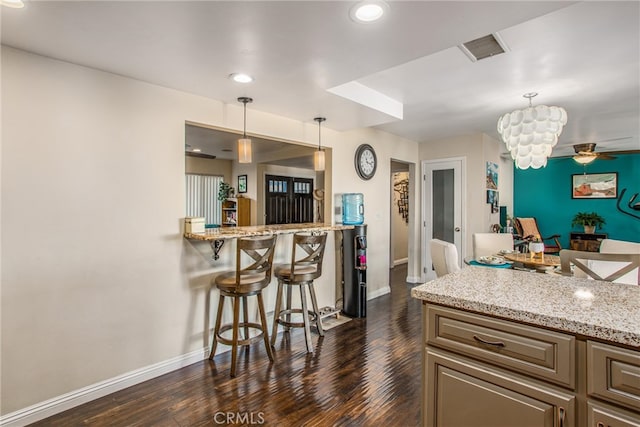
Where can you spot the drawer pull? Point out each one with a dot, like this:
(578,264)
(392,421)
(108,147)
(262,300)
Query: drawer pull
(493,343)
(561,415)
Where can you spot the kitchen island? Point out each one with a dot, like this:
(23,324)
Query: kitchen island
(505,347)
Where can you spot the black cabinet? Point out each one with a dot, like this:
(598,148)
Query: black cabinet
(589,242)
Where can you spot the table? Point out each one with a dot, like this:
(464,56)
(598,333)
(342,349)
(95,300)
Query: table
(541,264)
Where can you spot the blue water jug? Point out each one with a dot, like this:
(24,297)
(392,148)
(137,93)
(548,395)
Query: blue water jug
(352,208)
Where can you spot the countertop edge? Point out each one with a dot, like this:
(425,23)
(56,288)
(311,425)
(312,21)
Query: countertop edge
(558,322)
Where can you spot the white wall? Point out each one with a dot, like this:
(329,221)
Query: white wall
(97,279)
(478,149)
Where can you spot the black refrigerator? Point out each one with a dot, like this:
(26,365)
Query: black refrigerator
(354,266)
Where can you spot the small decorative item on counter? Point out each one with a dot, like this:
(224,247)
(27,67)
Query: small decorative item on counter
(193,224)
(536,248)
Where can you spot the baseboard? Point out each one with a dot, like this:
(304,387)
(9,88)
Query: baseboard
(75,398)
(400,261)
(378,292)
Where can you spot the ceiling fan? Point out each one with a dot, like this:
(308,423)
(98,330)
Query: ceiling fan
(585,153)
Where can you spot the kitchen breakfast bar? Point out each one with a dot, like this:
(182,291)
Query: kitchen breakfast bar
(325,283)
(505,348)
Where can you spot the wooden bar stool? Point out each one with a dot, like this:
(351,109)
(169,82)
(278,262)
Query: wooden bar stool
(242,283)
(305,266)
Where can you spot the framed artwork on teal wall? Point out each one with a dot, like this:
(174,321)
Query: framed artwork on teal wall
(594,186)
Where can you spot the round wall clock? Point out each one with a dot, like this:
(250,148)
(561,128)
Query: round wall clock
(366,161)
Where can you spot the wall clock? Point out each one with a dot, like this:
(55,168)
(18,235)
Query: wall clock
(366,161)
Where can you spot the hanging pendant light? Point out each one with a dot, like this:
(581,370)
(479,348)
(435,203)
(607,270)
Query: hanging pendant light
(530,134)
(244,143)
(318,156)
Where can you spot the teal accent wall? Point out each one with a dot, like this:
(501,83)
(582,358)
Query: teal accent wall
(546,195)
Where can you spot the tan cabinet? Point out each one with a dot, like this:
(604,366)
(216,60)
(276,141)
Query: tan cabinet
(602,415)
(236,212)
(484,371)
(463,392)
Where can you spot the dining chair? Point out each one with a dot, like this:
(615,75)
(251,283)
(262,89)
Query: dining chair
(486,244)
(444,257)
(528,229)
(609,267)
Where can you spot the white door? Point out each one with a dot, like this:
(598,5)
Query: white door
(443,207)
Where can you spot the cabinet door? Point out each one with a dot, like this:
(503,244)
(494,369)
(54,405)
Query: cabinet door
(601,415)
(463,392)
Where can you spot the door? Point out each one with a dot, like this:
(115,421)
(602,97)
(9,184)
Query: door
(443,207)
(288,200)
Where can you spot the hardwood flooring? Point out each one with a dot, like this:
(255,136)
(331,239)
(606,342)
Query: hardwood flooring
(365,372)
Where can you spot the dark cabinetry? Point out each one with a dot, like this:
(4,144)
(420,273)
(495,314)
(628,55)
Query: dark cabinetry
(586,242)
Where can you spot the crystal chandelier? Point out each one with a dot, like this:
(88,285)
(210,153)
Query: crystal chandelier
(530,134)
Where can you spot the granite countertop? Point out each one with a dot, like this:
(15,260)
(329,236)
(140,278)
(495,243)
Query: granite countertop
(594,309)
(262,230)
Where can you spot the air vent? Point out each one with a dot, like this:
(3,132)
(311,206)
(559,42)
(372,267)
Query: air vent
(484,47)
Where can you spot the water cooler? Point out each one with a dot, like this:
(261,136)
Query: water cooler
(354,257)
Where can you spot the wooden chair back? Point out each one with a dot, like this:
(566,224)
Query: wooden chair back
(254,260)
(307,255)
(619,264)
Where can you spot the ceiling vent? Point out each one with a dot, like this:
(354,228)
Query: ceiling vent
(484,47)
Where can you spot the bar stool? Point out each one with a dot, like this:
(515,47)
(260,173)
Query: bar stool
(240,284)
(305,266)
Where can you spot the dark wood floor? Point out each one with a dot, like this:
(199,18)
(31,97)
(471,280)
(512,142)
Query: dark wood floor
(364,373)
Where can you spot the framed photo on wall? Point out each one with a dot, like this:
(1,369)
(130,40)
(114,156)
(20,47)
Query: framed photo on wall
(595,186)
(242,183)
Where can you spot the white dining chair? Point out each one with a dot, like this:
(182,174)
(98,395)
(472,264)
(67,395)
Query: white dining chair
(486,244)
(444,257)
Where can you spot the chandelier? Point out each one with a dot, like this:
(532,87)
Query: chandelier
(530,134)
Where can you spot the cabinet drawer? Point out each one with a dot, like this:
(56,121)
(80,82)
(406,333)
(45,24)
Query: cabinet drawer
(540,353)
(613,374)
(601,415)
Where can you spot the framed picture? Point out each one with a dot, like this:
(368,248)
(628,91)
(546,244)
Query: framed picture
(242,183)
(492,176)
(594,186)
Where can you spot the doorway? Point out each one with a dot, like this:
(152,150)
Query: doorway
(443,208)
(399,215)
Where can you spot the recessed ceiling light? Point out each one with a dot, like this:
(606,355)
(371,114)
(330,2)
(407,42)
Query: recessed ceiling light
(368,11)
(197,150)
(241,78)
(16,4)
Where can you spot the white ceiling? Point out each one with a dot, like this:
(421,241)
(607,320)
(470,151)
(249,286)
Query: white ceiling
(581,56)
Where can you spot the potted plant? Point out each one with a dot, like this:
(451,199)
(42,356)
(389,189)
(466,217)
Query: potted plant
(225,191)
(589,220)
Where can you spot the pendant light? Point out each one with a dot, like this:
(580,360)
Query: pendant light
(318,156)
(530,134)
(244,143)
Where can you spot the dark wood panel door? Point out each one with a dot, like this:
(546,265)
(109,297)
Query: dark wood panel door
(288,200)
